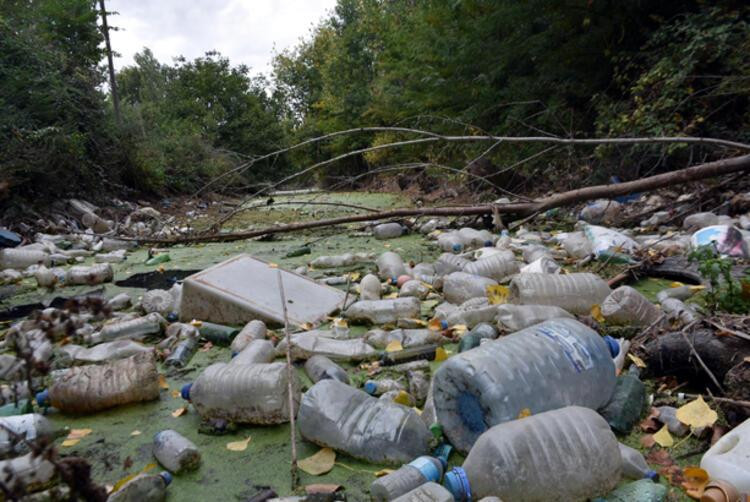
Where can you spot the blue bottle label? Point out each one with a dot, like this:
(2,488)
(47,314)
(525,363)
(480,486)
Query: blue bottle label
(427,468)
(576,353)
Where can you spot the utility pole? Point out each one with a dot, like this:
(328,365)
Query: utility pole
(112,82)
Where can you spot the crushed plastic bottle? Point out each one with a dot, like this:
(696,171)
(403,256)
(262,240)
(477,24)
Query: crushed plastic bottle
(577,245)
(21,258)
(522,459)
(119,349)
(419,385)
(678,310)
(414,288)
(419,471)
(496,267)
(119,302)
(447,263)
(370,287)
(388,231)
(87,389)
(341,417)
(390,266)
(143,488)
(384,311)
(16,432)
(257,351)
(516,317)
(634,466)
(460,286)
(175,452)
(134,329)
(668,416)
(182,353)
(428,492)
(320,368)
(254,330)
(311,343)
(250,393)
(546,366)
(576,292)
(476,335)
(344,260)
(543,265)
(378,387)
(95,274)
(625,305)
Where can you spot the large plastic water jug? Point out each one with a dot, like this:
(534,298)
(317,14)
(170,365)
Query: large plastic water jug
(729,458)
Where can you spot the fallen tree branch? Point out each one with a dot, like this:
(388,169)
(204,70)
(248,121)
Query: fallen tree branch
(518,209)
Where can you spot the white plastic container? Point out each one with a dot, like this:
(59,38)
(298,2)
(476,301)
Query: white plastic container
(28,427)
(576,293)
(729,458)
(567,454)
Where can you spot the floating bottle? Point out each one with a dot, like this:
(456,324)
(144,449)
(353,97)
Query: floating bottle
(143,488)
(218,334)
(476,335)
(257,351)
(388,231)
(427,352)
(21,258)
(320,368)
(496,267)
(634,466)
(254,330)
(390,266)
(175,452)
(370,287)
(133,329)
(182,353)
(384,311)
(625,305)
(460,286)
(576,292)
(516,317)
(312,343)
(419,471)
(108,351)
(95,274)
(428,492)
(17,431)
(378,387)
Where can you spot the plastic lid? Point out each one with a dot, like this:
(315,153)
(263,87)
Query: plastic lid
(185,391)
(42,398)
(444,324)
(614,346)
(457,247)
(457,483)
(166,476)
(234,354)
(173,317)
(488,244)
(371,387)
(652,475)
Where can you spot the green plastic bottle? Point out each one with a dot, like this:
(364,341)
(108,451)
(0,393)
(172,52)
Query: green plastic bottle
(218,334)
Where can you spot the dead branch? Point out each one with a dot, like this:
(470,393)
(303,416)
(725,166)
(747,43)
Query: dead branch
(518,209)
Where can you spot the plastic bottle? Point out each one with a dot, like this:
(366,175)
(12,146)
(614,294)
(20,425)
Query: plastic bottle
(626,406)
(390,266)
(378,387)
(451,242)
(577,245)
(515,317)
(477,238)
(447,263)
(388,231)
(311,343)
(29,427)
(471,317)
(668,417)
(412,354)
(523,459)
(87,389)
(257,351)
(576,292)
(384,311)
(543,265)
(496,267)
(419,385)
(119,302)
(534,252)
(370,287)
(95,274)
(341,417)
(460,286)
(134,329)
(676,309)
(634,466)
(625,305)
(344,260)
(113,257)
(419,471)
(157,300)
(643,490)
(158,259)
(143,488)
(182,353)
(474,337)
(218,334)
(175,452)
(414,288)
(428,492)
(727,458)
(250,393)
(103,352)
(320,368)
(546,366)
(679,293)
(31,472)
(254,330)
(21,258)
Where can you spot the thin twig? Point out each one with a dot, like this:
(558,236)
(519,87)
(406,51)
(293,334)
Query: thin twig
(290,379)
(700,360)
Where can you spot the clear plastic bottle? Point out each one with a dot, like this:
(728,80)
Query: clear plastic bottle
(370,287)
(668,417)
(428,492)
(460,286)
(419,471)
(344,260)
(634,466)
(523,459)
(472,316)
(182,353)
(119,302)
(143,488)
(95,274)
(311,343)
(496,267)
(546,366)
(254,330)
(257,351)
(625,305)
(45,278)
(419,385)
(87,389)
(474,337)
(577,245)
(250,393)
(29,427)
(119,349)
(477,238)
(133,329)
(31,472)
(320,368)
(678,310)
(576,292)
(514,317)
(388,231)
(451,242)
(176,452)
(21,258)
(447,263)
(534,252)
(113,257)
(378,387)
(341,417)
(679,293)
(390,266)
(414,288)
(543,265)
(384,311)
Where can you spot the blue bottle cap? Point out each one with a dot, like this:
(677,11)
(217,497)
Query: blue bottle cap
(394,280)
(614,347)
(457,247)
(457,483)
(185,391)
(173,317)
(652,475)
(488,244)
(166,476)
(42,398)
(234,354)
(442,452)
(371,387)
(444,324)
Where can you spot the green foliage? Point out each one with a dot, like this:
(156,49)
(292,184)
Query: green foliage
(726,293)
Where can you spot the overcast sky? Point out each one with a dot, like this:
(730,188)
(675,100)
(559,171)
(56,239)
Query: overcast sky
(246,31)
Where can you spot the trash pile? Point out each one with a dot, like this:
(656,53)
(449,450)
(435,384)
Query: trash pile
(518,366)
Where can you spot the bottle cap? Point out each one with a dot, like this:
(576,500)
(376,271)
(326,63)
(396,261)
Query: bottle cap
(457,247)
(444,324)
(652,475)
(234,354)
(371,387)
(42,398)
(442,452)
(166,476)
(614,346)
(173,317)
(457,483)
(437,430)
(488,244)
(185,391)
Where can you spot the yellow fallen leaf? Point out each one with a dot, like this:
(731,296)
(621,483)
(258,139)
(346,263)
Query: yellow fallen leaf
(459,329)
(696,289)
(340,323)
(403,398)
(196,323)
(596,313)
(676,284)
(179,412)
(136,433)
(127,478)
(440,354)
(524,413)
(273,265)
(239,445)
(163,382)
(418,322)
(79,433)
(663,438)
(391,296)
(354,276)
(697,414)
(386,245)
(498,294)
(637,360)
(435,325)
(319,463)
(417,410)
(306,326)
(161,269)
(176,394)
(70,442)
(394,346)
(383,472)
(695,482)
